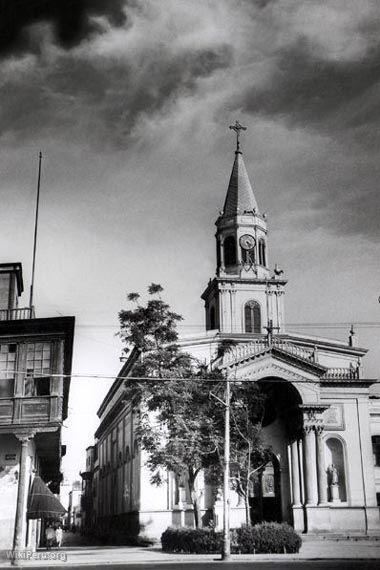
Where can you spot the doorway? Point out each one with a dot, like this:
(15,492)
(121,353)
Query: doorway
(265,499)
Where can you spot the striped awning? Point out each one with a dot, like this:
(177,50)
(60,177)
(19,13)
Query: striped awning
(42,503)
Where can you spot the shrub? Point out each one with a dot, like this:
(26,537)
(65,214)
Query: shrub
(190,540)
(267,537)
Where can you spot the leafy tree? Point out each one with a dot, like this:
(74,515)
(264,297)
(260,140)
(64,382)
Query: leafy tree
(175,426)
(180,424)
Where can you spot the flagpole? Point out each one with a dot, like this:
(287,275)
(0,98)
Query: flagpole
(35,235)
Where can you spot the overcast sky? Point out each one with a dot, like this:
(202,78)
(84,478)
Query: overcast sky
(130,103)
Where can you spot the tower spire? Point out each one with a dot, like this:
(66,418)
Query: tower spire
(243,297)
(237,127)
(240,197)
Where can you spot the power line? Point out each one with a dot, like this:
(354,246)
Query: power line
(361,324)
(153,379)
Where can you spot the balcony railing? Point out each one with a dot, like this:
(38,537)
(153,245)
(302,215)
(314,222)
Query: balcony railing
(257,346)
(34,410)
(342,373)
(16,314)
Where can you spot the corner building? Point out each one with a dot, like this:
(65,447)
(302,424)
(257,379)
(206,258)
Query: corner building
(320,421)
(35,368)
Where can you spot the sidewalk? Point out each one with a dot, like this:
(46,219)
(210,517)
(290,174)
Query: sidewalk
(102,556)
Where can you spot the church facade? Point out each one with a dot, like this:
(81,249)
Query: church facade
(320,421)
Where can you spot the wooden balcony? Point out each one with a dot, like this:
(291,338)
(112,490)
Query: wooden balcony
(16,314)
(30,411)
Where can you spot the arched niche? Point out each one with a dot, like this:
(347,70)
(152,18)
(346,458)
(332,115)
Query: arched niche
(335,461)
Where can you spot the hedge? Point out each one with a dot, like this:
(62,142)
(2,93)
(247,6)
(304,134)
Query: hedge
(267,537)
(190,540)
(261,538)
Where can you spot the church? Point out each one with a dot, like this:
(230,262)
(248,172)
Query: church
(321,423)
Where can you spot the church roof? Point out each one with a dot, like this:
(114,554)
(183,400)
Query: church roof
(240,197)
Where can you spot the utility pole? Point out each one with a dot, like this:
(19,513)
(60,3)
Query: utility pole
(35,235)
(226,549)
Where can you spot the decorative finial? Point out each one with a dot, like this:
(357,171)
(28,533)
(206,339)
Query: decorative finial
(237,127)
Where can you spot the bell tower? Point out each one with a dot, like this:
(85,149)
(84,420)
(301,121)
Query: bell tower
(244,296)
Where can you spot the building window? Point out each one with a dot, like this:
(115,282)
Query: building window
(127,454)
(7,369)
(262,256)
(376,450)
(38,358)
(252,317)
(212,318)
(229,251)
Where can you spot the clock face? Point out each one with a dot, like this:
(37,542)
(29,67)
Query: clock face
(247,242)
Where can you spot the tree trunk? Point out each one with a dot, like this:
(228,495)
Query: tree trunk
(194,496)
(247,508)
(196,514)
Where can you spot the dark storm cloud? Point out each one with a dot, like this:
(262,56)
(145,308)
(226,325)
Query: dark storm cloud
(71,20)
(305,89)
(106,99)
(338,100)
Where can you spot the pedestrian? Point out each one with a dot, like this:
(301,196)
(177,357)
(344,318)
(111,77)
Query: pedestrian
(50,536)
(58,536)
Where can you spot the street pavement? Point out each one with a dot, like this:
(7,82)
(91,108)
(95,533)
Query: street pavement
(338,564)
(314,554)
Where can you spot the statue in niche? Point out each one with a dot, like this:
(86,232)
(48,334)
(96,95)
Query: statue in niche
(333,474)
(333,481)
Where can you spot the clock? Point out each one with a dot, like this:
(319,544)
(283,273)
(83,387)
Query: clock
(247,242)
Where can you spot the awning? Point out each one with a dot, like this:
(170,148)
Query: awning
(42,503)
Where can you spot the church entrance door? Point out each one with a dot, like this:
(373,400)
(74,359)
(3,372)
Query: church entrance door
(265,500)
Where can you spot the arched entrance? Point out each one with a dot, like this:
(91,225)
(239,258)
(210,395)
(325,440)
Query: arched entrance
(271,496)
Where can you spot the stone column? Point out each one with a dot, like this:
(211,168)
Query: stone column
(233,310)
(321,471)
(296,488)
(19,540)
(310,467)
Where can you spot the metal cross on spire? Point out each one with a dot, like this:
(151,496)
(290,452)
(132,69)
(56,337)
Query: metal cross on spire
(237,127)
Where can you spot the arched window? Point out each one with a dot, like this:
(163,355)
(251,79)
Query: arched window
(212,318)
(229,251)
(336,472)
(262,256)
(218,259)
(127,454)
(252,317)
